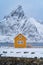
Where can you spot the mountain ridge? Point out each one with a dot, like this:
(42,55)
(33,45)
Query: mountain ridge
(16,22)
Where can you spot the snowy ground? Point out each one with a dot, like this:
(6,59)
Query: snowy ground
(20,52)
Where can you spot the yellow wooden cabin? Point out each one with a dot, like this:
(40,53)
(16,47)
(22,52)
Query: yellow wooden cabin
(20,41)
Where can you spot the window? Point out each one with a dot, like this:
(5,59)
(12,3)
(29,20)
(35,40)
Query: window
(20,36)
(20,42)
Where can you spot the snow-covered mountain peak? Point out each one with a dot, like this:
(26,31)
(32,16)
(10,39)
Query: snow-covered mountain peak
(18,13)
(16,22)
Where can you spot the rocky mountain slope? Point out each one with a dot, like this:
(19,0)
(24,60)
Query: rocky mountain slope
(17,22)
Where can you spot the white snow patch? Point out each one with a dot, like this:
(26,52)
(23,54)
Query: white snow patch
(20,52)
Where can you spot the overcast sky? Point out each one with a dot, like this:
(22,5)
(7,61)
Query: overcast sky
(32,8)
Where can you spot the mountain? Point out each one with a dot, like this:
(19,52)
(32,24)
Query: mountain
(17,22)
